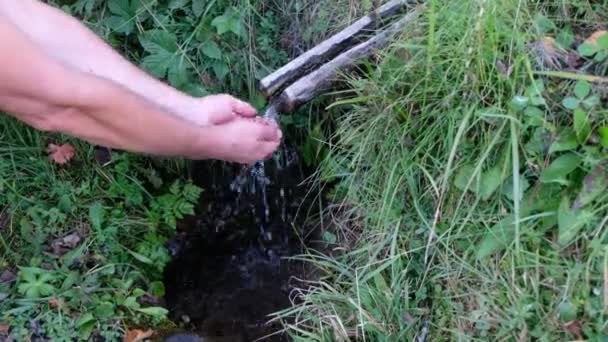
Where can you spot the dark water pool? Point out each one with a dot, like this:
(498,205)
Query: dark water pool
(229,270)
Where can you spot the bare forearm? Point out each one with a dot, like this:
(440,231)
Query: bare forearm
(47,95)
(80,48)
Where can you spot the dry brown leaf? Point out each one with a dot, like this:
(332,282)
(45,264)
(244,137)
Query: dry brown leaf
(138,335)
(57,303)
(4,329)
(61,154)
(593,38)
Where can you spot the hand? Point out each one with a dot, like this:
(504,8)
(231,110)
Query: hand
(215,110)
(242,140)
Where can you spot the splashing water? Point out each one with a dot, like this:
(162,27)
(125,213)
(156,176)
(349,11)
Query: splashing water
(256,178)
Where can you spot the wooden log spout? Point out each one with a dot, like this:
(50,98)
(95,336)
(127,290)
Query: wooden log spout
(318,81)
(329,48)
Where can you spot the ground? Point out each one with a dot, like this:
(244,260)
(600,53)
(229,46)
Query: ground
(465,172)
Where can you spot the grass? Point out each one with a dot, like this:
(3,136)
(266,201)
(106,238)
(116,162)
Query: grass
(453,225)
(467,172)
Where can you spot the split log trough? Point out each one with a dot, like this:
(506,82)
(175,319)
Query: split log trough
(314,71)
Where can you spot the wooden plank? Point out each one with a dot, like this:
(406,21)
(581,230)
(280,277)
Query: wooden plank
(328,49)
(313,84)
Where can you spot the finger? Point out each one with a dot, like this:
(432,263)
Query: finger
(243,108)
(268,148)
(269,133)
(221,117)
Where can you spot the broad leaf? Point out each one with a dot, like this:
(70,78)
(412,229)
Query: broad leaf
(570,221)
(230,21)
(163,51)
(582,127)
(490,181)
(587,50)
(497,238)
(175,4)
(571,102)
(211,50)
(591,101)
(566,312)
(582,89)
(97,215)
(154,311)
(603,131)
(602,41)
(565,141)
(594,185)
(560,168)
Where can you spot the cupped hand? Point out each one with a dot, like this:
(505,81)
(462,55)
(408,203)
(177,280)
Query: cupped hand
(216,110)
(241,140)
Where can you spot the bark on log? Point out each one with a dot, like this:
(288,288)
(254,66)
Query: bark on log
(313,84)
(328,49)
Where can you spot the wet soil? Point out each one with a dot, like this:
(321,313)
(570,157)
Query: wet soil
(229,268)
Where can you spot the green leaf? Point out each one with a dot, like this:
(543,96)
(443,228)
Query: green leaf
(582,127)
(220,70)
(329,237)
(97,215)
(565,38)
(463,177)
(157,289)
(603,132)
(536,88)
(571,102)
(178,74)
(544,24)
(560,168)
(104,310)
(591,101)
(198,7)
(518,103)
(582,89)
(124,13)
(534,112)
(141,257)
(601,56)
(175,4)
(570,222)
(163,50)
(230,21)
(587,50)
(497,238)
(490,181)
(565,141)
(566,312)
(154,311)
(602,41)
(211,50)
(594,185)
(84,319)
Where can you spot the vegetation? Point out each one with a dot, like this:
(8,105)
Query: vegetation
(468,171)
(472,170)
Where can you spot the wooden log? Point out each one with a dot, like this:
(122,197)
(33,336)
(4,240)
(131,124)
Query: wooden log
(328,49)
(313,84)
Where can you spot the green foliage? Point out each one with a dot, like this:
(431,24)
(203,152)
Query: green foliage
(471,182)
(85,239)
(598,50)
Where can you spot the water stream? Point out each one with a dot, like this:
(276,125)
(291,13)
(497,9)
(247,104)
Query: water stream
(230,268)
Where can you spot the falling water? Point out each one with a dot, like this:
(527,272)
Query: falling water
(256,178)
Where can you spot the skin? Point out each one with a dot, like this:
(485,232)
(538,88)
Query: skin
(74,83)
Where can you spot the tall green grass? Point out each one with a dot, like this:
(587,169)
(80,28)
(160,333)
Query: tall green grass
(441,236)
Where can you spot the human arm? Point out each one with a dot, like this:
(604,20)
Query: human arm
(70,42)
(50,96)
